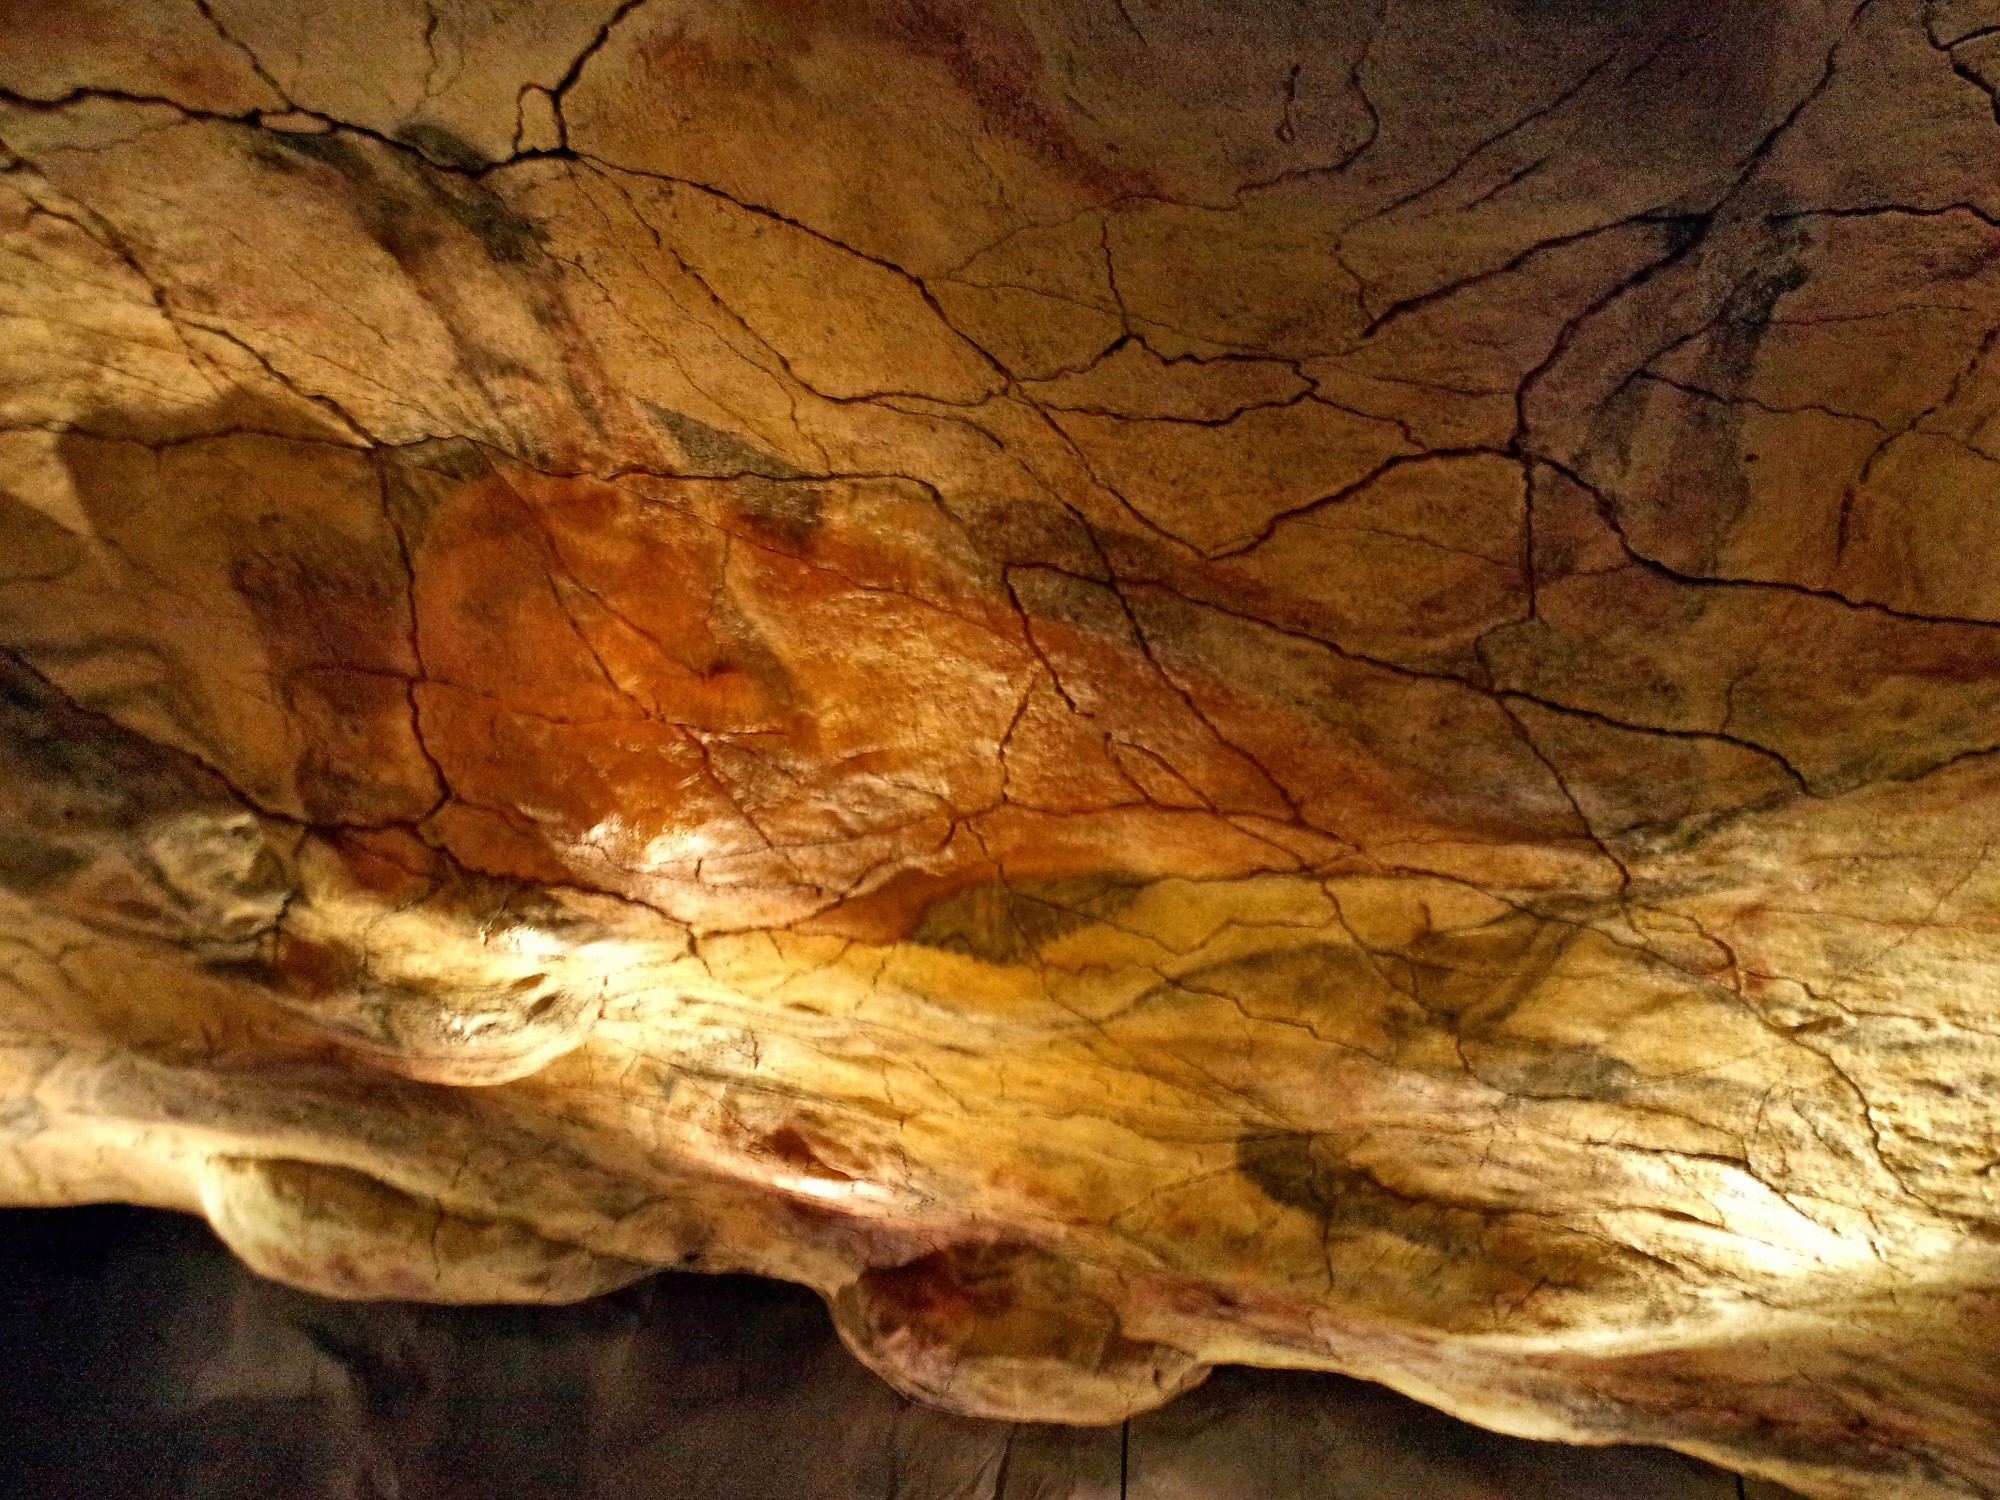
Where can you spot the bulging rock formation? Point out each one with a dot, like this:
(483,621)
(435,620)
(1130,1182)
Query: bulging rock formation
(1131,684)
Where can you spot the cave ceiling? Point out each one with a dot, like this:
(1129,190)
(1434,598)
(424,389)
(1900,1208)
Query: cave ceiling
(1131,684)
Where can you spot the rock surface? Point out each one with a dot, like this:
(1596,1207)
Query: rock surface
(138,1360)
(1130,684)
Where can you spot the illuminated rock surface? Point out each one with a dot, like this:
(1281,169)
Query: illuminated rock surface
(1130,685)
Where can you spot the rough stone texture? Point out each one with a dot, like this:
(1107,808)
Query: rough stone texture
(1130,684)
(137,1360)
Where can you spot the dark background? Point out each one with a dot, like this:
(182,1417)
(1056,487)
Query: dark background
(139,1361)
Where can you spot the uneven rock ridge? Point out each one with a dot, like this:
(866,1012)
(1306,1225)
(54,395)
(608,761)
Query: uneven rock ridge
(1130,684)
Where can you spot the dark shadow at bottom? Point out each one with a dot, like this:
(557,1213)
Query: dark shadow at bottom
(140,1361)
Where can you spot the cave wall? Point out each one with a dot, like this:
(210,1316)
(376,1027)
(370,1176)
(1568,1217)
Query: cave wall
(1131,685)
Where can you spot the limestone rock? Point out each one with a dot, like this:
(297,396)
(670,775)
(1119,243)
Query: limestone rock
(1132,685)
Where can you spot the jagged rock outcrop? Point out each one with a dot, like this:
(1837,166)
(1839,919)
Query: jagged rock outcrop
(1132,684)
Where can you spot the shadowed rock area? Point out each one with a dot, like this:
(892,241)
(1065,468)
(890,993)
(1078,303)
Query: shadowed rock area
(1132,684)
(138,1359)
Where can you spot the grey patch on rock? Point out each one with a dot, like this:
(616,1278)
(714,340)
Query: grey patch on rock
(788,514)
(1527,1071)
(326,146)
(509,238)
(1301,1170)
(714,452)
(442,147)
(1295,1169)
(417,484)
(1004,922)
